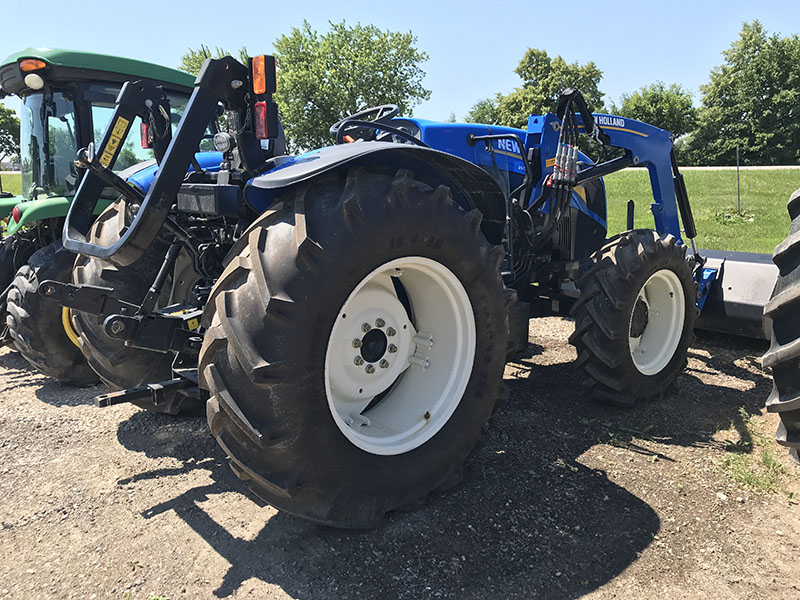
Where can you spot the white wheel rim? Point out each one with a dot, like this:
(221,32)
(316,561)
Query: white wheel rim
(662,295)
(426,374)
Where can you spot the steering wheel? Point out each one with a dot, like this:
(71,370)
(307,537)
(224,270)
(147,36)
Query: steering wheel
(380,114)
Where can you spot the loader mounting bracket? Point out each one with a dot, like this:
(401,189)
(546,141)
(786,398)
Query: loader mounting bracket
(170,329)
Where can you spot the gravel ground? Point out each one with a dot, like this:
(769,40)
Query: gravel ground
(567,498)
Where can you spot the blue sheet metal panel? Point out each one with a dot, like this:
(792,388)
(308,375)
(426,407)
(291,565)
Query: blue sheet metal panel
(143,179)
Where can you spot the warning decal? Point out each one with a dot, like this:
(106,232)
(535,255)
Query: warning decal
(114,141)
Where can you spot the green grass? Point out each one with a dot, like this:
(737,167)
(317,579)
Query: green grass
(758,470)
(12,183)
(761,475)
(713,198)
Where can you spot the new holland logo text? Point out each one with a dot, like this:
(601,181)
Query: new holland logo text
(604,120)
(508,146)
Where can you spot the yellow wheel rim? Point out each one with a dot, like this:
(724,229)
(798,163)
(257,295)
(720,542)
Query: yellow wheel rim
(66,321)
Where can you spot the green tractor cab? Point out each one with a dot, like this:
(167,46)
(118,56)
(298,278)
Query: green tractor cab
(66,101)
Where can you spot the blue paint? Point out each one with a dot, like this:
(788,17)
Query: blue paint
(208,161)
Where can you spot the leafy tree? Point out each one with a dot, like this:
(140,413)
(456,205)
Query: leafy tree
(9,132)
(752,101)
(325,77)
(193,59)
(485,111)
(667,107)
(543,80)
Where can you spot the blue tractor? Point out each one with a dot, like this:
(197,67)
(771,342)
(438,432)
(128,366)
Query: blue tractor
(346,314)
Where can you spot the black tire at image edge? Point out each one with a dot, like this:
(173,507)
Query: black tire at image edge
(783,356)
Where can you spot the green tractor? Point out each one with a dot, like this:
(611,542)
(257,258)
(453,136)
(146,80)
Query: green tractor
(67,99)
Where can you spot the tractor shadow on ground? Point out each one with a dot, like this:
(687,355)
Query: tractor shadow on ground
(522,523)
(19,374)
(529,519)
(60,394)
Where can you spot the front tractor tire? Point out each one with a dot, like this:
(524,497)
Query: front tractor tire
(634,318)
(42,333)
(783,355)
(355,347)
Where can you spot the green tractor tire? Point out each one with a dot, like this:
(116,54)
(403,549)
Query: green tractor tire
(120,366)
(41,330)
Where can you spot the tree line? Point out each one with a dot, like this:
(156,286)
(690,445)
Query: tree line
(751,101)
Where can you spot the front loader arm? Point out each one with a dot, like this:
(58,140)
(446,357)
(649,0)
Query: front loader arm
(643,144)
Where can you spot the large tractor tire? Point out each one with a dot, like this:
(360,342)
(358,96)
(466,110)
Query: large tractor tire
(7,269)
(14,252)
(783,355)
(634,317)
(119,366)
(355,347)
(6,277)
(41,331)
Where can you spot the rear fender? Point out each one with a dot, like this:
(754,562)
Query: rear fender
(472,187)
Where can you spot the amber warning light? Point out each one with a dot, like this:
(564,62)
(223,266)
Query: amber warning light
(263,74)
(31,64)
(263,82)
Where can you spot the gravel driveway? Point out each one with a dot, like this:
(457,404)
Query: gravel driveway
(566,498)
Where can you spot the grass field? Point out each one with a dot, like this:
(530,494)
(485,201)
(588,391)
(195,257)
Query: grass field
(713,196)
(12,183)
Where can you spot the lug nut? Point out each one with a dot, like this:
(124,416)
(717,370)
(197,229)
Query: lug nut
(49,289)
(390,331)
(365,327)
(392,348)
(379,322)
(117,327)
(384,364)
(356,343)
(358,361)
(370,369)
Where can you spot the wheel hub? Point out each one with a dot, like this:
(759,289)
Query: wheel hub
(374,345)
(639,318)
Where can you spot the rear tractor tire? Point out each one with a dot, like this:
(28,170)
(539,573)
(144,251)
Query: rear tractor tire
(42,332)
(783,355)
(634,318)
(121,367)
(355,347)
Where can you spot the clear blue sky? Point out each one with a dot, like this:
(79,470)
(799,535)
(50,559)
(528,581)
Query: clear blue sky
(474,46)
